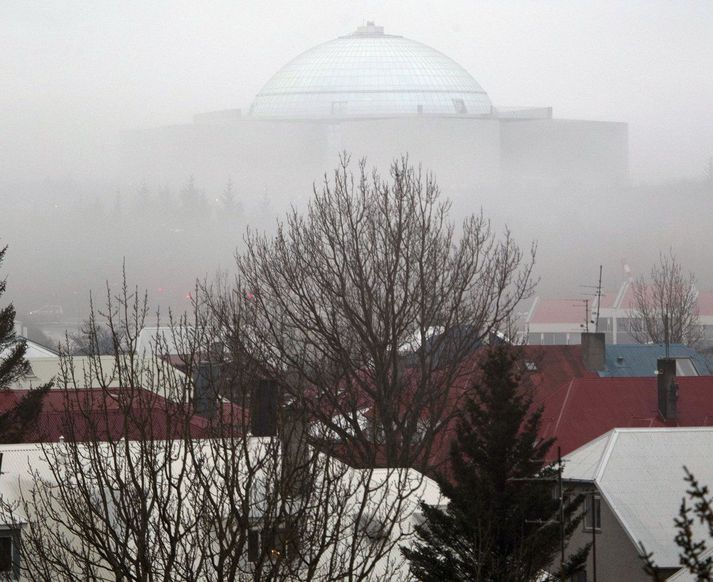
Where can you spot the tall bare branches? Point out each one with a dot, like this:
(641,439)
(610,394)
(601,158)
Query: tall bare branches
(369,303)
(666,305)
(142,489)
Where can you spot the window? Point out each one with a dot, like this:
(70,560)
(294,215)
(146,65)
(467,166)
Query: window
(9,554)
(275,544)
(339,107)
(685,367)
(253,545)
(5,554)
(459,106)
(593,512)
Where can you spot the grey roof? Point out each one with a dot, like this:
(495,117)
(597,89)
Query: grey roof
(370,74)
(639,473)
(683,575)
(640,359)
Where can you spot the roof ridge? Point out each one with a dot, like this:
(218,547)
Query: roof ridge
(564,405)
(606,455)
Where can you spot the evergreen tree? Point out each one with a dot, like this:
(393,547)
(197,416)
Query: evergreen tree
(15,422)
(230,204)
(502,521)
(12,350)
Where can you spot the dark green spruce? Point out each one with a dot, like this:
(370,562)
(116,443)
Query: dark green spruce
(502,520)
(17,421)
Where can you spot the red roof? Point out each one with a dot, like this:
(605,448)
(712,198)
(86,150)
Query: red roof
(705,303)
(586,408)
(580,406)
(552,366)
(558,311)
(608,299)
(87,414)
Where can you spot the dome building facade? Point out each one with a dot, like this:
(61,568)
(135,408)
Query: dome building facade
(370,74)
(379,96)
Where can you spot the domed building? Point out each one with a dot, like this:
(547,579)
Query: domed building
(379,96)
(370,74)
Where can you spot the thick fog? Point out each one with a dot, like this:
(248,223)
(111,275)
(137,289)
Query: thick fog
(77,77)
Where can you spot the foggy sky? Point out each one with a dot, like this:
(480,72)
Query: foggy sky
(74,74)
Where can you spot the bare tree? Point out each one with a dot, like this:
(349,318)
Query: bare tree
(369,304)
(666,305)
(142,489)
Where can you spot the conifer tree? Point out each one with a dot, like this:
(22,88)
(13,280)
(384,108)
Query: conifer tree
(502,520)
(15,422)
(12,350)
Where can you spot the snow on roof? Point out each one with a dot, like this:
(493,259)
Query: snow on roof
(93,372)
(639,472)
(34,350)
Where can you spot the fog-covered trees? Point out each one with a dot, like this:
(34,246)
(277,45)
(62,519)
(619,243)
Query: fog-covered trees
(369,302)
(666,305)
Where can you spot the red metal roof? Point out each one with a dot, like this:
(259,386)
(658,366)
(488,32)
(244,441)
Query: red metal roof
(558,311)
(580,406)
(86,414)
(586,408)
(705,303)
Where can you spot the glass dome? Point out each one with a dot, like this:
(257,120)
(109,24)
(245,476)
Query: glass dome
(370,74)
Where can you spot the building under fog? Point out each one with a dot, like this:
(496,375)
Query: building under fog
(377,95)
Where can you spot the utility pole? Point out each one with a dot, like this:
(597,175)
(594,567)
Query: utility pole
(561,520)
(599,299)
(594,540)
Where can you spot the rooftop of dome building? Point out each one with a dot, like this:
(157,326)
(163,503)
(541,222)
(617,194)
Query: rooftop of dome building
(370,74)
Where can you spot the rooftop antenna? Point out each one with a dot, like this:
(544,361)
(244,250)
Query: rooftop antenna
(587,321)
(598,295)
(599,299)
(586,315)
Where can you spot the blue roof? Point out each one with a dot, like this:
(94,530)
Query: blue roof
(640,359)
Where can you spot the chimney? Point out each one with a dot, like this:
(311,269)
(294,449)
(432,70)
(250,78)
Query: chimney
(593,351)
(295,451)
(205,389)
(667,388)
(263,409)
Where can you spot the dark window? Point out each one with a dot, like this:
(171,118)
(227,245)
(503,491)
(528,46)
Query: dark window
(593,515)
(253,545)
(280,543)
(5,554)
(263,410)
(459,106)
